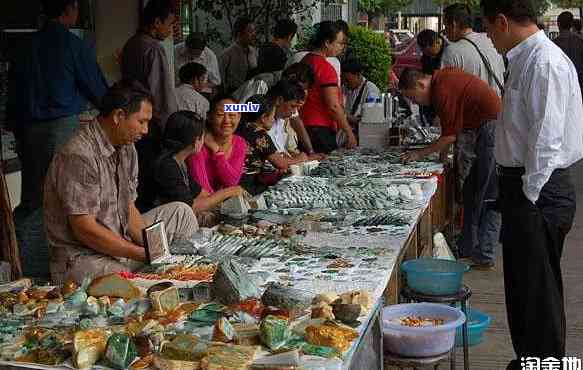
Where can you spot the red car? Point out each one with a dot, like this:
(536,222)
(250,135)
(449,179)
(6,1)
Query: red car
(405,56)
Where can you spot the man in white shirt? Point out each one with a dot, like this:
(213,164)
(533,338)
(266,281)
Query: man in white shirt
(538,139)
(359,89)
(194,79)
(461,52)
(238,62)
(477,182)
(196,50)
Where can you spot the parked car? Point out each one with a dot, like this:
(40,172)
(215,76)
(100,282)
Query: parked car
(398,37)
(406,55)
(385,36)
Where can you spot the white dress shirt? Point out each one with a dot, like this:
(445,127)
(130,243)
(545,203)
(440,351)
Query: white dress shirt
(189,99)
(540,126)
(278,134)
(208,59)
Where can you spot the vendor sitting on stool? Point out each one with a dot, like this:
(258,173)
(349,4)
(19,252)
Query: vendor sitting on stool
(464,102)
(92,223)
(359,90)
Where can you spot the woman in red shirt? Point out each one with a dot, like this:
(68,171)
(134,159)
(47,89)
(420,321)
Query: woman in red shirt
(322,113)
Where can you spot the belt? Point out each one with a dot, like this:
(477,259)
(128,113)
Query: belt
(520,171)
(510,171)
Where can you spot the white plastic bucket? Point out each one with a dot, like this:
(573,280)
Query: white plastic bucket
(425,341)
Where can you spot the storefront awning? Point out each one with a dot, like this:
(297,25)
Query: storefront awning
(422,8)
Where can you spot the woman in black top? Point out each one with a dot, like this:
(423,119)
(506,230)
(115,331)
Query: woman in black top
(184,136)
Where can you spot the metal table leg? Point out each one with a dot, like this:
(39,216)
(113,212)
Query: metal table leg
(465,337)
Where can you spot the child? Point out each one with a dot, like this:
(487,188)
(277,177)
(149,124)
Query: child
(194,79)
(261,149)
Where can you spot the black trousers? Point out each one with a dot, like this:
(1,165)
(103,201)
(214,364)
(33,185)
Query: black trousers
(533,237)
(323,139)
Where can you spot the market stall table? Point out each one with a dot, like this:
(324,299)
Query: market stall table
(353,244)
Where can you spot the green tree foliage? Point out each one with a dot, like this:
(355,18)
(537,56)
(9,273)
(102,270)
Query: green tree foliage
(304,37)
(263,12)
(542,5)
(568,3)
(375,7)
(394,6)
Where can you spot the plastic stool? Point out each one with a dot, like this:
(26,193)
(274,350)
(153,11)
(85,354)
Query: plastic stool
(406,362)
(462,296)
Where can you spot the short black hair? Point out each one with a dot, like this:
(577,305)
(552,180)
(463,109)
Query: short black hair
(191,71)
(343,26)
(458,13)
(156,9)
(299,72)
(285,28)
(241,25)
(181,129)
(288,90)
(427,38)
(326,31)
(196,41)
(127,95)
(521,11)
(577,24)
(409,78)
(214,103)
(271,59)
(55,8)
(565,20)
(266,105)
(352,66)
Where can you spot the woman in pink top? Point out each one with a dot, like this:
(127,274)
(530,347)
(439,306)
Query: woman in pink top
(220,163)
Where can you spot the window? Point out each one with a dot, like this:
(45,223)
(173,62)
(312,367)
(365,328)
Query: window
(331,12)
(183,27)
(186,18)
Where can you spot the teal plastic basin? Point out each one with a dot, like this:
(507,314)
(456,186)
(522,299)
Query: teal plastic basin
(434,276)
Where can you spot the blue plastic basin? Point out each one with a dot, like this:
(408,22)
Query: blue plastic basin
(434,276)
(478,322)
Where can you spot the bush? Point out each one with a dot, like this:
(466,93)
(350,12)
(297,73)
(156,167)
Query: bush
(373,52)
(364,45)
(303,38)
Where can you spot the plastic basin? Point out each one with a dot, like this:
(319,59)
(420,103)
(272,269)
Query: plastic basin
(422,341)
(478,322)
(434,276)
